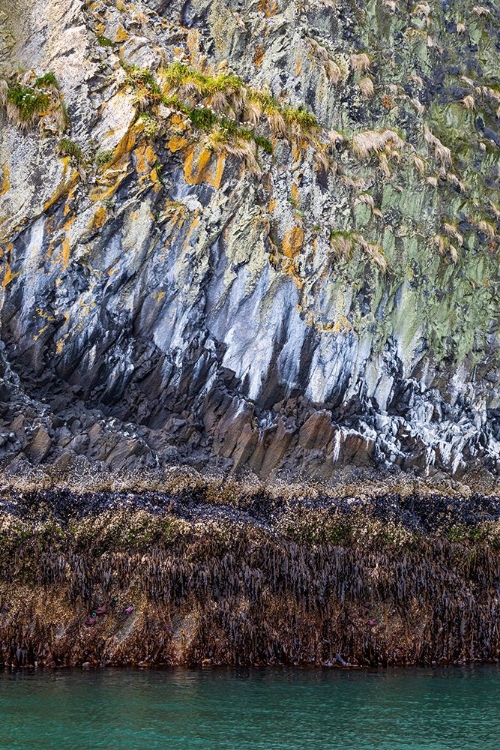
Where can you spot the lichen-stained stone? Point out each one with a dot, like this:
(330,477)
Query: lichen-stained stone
(255,235)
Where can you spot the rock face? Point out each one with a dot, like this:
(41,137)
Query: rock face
(197,270)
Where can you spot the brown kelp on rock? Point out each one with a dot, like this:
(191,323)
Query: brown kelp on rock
(158,579)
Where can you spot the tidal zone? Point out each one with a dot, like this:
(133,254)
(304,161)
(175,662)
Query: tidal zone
(239,576)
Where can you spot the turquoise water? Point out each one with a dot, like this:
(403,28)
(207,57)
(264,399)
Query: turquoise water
(441,708)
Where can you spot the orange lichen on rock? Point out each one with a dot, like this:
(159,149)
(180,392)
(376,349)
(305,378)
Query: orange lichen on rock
(66,243)
(258,55)
(268,7)
(177,143)
(121,34)
(98,218)
(193,45)
(293,242)
(200,167)
(9,276)
(64,186)
(146,158)
(5,180)
(291,268)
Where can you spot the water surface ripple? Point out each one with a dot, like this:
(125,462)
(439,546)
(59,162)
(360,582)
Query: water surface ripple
(239,709)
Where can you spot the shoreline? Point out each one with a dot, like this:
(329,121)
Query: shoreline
(248,578)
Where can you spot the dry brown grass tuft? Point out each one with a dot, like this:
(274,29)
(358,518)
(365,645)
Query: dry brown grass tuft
(469,102)
(487,228)
(360,63)
(441,152)
(454,180)
(480,10)
(344,244)
(440,242)
(419,164)
(370,142)
(366,87)
(4,90)
(452,231)
(375,252)
(367,199)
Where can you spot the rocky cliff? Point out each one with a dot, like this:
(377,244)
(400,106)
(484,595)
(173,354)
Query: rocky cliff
(260,234)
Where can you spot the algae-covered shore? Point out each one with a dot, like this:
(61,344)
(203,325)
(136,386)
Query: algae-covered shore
(226,573)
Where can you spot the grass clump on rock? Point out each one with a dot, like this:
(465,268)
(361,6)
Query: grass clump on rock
(236,117)
(67,147)
(32,98)
(25,103)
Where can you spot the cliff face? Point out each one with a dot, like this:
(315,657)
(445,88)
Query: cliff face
(258,233)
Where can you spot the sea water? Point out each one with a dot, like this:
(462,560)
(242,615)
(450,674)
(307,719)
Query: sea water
(406,709)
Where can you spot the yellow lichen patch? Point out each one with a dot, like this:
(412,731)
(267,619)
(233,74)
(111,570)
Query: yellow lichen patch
(146,158)
(64,186)
(291,268)
(158,295)
(219,171)
(121,34)
(295,192)
(65,252)
(9,276)
(109,181)
(67,206)
(103,193)
(296,151)
(272,205)
(5,180)
(98,218)
(42,330)
(342,325)
(124,145)
(298,67)
(177,123)
(177,143)
(258,55)
(66,243)
(293,242)
(192,227)
(200,167)
(193,45)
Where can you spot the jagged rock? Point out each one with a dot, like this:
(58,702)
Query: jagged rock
(332,303)
(38,448)
(317,431)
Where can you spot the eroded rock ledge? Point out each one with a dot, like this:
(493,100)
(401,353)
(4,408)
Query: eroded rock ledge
(226,574)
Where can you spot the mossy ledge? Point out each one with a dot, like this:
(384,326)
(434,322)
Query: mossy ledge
(247,577)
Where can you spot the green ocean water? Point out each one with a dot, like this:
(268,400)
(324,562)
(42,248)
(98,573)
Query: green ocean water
(237,709)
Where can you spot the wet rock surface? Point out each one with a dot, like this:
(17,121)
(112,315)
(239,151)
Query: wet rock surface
(248,579)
